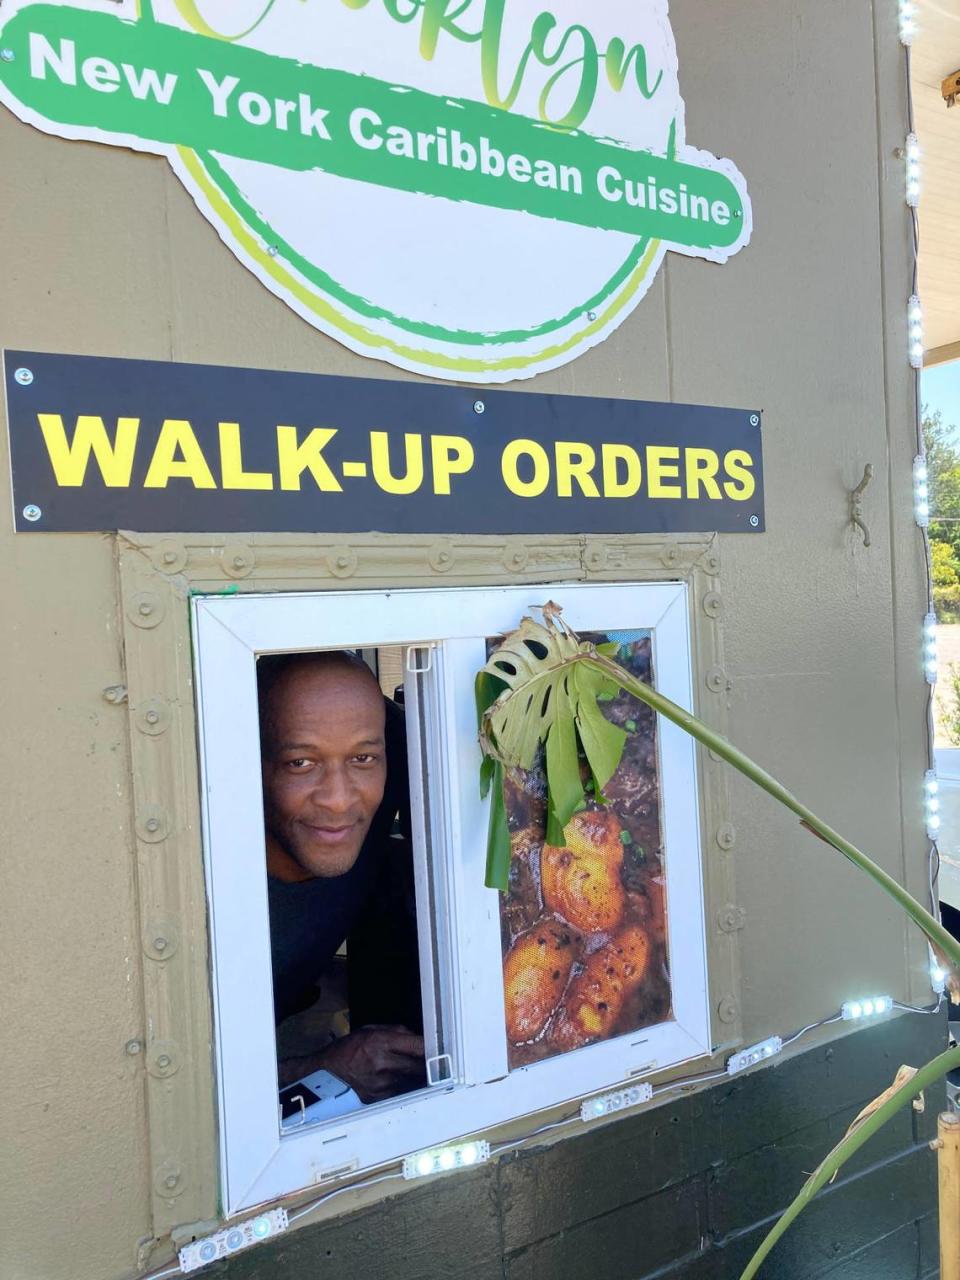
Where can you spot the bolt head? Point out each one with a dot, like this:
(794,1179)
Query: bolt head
(238,562)
(169,557)
(159,944)
(32,512)
(754,521)
(171,1180)
(7,55)
(754,419)
(163,1061)
(152,824)
(133,1047)
(146,608)
(272,250)
(153,717)
(23,377)
(343,562)
(478,406)
(591,315)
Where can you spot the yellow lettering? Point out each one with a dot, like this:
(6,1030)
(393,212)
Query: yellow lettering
(513,452)
(701,468)
(177,433)
(232,474)
(613,486)
(69,460)
(741,485)
(575,462)
(412,479)
(294,458)
(660,469)
(451,456)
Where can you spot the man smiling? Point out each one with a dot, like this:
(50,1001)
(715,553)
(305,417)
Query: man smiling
(334,778)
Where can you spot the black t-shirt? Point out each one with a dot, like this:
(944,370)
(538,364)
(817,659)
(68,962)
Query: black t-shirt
(372,906)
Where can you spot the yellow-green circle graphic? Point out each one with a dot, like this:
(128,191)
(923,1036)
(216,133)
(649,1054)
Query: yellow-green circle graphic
(477,190)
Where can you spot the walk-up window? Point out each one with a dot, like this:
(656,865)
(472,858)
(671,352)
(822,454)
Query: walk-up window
(358,819)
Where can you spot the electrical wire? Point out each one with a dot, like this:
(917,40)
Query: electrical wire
(823,1022)
(672,1085)
(329,1195)
(928,1009)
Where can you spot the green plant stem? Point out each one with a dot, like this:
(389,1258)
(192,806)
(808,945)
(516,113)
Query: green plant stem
(842,1152)
(715,742)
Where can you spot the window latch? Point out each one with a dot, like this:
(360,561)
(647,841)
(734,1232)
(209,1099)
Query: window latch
(436,1073)
(412,667)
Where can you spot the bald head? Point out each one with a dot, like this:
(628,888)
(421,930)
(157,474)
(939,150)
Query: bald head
(324,760)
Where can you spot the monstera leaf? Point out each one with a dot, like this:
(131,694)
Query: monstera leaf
(539,690)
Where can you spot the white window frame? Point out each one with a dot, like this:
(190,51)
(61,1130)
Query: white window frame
(257,1164)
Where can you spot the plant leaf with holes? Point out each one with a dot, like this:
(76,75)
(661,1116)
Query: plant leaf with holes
(550,683)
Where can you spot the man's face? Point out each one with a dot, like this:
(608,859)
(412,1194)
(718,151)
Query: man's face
(324,765)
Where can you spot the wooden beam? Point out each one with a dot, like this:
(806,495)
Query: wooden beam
(941,355)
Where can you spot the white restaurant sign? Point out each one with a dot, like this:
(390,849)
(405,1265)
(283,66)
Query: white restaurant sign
(472,189)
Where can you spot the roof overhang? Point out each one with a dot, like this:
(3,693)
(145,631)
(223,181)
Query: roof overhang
(935,70)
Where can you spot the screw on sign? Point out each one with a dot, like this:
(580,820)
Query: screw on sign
(32,512)
(23,377)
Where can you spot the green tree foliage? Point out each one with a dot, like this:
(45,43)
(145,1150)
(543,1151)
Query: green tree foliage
(945,564)
(943,474)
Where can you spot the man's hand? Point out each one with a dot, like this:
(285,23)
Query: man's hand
(377,1062)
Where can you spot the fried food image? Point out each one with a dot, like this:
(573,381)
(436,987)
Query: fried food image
(535,972)
(597,994)
(581,882)
(583,925)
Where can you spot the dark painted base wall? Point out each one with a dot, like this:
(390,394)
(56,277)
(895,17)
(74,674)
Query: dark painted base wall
(684,1191)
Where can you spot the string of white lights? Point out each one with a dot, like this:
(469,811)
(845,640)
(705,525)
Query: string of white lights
(451,1158)
(907,29)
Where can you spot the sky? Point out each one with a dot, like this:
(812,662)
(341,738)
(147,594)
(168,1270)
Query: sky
(940,389)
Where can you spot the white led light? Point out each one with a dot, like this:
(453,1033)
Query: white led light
(607,1103)
(749,1057)
(907,15)
(931,804)
(868,1008)
(915,332)
(930,648)
(461,1155)
(921,492)
(198,1253)
(938,979)
(912,154)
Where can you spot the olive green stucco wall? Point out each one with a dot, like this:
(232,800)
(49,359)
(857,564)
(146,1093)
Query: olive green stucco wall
(102,252)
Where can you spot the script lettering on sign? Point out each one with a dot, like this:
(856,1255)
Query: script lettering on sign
(473,189)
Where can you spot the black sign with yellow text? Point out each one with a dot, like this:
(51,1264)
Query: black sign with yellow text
(101,444)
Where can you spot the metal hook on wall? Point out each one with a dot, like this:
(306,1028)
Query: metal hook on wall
(856,504)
